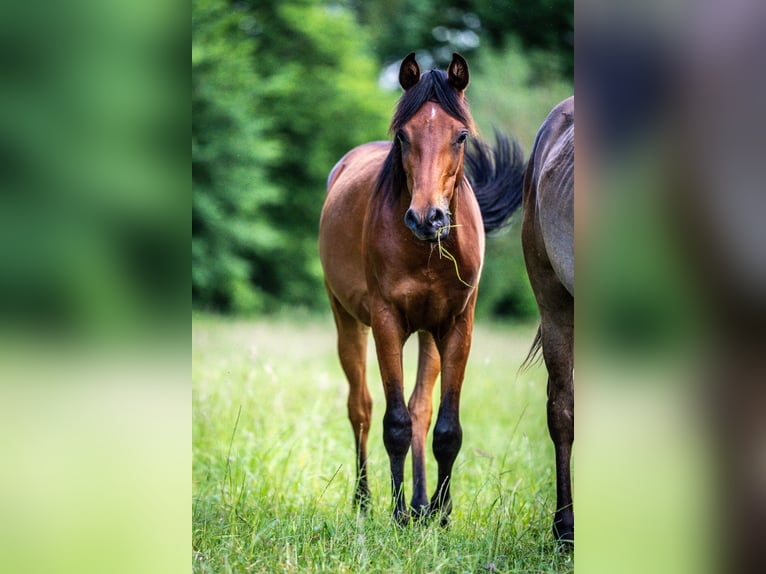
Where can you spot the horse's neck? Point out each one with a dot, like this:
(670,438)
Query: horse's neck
(468,232)
(464,207)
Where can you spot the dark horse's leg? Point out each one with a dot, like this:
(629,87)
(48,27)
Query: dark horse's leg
(558,353)
(448,434)
(352,350)
(429,364)
(397,426)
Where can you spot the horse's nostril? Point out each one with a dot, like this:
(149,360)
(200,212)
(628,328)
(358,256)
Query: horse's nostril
(410,219)
(437,218)
(436,222)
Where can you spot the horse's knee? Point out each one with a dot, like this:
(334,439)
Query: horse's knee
(448,437)
(397,431)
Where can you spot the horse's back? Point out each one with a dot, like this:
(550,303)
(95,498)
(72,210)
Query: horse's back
(349,187)
(551,174)
(359,165)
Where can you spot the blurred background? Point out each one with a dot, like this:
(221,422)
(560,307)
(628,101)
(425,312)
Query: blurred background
(93,244)
(282,89)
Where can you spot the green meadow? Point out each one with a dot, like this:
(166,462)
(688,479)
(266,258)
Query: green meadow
(273,458)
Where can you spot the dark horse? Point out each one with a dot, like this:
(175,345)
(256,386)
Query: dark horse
(547,237)
(401,241)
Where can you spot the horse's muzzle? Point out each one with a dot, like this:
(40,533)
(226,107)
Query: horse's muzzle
(434,226)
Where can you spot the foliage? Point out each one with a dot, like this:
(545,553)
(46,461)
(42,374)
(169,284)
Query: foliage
(273,453)
(437,27)
(266,129)
(545,28)
(229,159)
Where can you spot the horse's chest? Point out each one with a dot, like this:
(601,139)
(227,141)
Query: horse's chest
(426,300)
(426,289)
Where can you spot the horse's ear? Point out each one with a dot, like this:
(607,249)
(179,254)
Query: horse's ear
(409,73)
(458,72)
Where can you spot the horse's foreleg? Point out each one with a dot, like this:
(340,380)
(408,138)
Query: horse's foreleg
(558,354)
(420,410)
(397,426)
(352,350)
(448,434)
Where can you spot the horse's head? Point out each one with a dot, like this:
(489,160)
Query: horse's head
(432,142)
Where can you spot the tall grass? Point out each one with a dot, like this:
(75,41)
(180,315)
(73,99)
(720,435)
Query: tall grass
(273,459)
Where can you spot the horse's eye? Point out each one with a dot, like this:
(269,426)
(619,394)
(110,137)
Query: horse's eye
(402,137)
(461,138)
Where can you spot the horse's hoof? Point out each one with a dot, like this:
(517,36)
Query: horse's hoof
(434,512)
(444,520)
(420,514)
(564,537)
(442,509)
(362,505)
(401,517)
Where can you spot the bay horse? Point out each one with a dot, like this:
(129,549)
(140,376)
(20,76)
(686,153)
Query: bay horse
(547,238)
(401,242)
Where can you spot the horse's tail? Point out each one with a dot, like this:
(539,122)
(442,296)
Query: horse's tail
(534,350)
(497,176)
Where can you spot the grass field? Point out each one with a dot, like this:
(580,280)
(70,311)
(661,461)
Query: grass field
(273,459)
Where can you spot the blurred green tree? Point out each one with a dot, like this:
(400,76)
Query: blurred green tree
(280,91)
(230,156)
(545,28)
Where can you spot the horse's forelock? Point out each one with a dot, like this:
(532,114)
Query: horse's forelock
(433,86)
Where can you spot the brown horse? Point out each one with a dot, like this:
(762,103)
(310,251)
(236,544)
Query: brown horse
(547,237)
(401,241)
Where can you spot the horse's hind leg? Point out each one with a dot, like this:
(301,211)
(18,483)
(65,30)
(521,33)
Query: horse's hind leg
(558,352)
(352,350)
(429,364)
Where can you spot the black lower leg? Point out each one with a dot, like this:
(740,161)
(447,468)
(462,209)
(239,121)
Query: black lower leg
(561,427)
(448,437)
(563,522)
(397,436)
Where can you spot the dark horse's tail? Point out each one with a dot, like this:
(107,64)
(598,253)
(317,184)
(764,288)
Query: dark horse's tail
(534,351)
(496,175)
